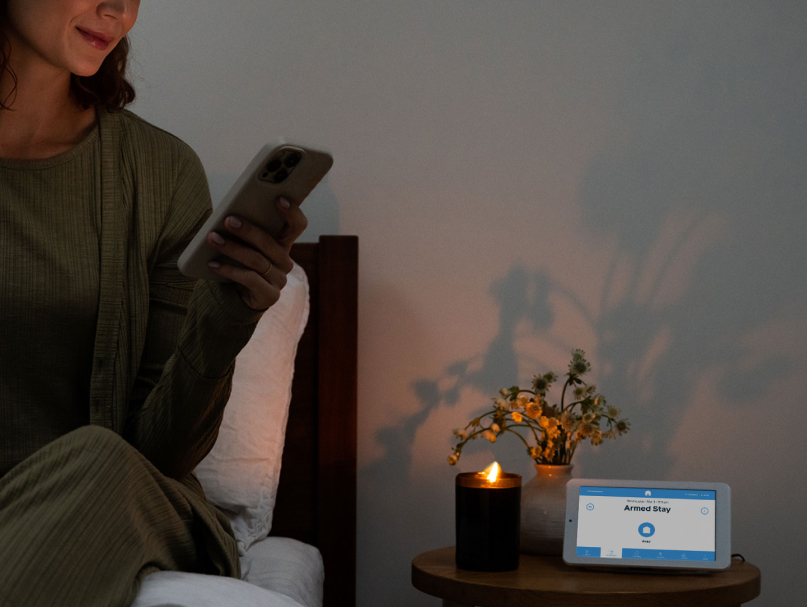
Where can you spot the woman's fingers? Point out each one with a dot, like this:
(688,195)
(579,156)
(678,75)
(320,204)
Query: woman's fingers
(256,251)
(266,260)
(276,277)
(296,222)
(257,293)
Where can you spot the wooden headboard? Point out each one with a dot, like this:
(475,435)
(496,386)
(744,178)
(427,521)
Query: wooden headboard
(316,498)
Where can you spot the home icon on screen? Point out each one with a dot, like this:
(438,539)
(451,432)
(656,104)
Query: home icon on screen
(647,493)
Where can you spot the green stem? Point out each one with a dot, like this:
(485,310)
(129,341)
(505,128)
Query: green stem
(563,394)
(577,402)
(534,433)
(562,449)
(470,437)
(479,419)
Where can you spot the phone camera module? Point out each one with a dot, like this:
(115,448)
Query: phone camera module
(292,160)
(279,176)
(281,165)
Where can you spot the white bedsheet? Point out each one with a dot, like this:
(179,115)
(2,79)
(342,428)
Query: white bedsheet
(276,572)
(180,589)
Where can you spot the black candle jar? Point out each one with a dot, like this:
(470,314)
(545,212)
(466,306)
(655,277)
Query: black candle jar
(488,514)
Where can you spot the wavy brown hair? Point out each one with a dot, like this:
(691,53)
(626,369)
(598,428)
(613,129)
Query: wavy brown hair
(107,87)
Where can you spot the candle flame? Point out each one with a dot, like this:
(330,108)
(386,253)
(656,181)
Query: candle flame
(492,472)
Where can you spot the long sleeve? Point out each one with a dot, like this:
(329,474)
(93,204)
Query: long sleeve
(194,331)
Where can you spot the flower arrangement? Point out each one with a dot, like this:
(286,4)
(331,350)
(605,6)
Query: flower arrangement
(557,429)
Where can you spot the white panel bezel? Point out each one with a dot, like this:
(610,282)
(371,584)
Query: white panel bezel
(722,526)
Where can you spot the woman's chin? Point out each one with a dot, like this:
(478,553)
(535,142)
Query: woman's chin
(86,70)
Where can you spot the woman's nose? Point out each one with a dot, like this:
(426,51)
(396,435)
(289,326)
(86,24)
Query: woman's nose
(118,7)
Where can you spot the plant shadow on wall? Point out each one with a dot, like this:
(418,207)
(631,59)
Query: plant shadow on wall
(652,334)
(394,501)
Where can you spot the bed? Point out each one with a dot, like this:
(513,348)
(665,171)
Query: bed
(313,511)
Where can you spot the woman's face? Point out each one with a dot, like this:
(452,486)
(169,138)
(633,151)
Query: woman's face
(75,35)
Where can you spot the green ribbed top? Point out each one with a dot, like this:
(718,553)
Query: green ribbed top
(97,324)
(49,238)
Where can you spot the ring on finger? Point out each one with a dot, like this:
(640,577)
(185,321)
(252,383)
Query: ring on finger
(267,271)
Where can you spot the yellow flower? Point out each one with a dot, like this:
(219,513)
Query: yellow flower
(543,421)
(460,433)
(534,452)
(588,418)
(517,417)
(495,428)
(452,459)
(489,435)
(533,411)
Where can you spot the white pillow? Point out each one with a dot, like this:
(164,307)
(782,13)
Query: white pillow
(241,472)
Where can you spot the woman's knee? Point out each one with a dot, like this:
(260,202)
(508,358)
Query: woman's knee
(96,447)
(96,436)
(72,453)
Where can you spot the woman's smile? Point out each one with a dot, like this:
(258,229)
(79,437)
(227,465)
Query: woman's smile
(95,40)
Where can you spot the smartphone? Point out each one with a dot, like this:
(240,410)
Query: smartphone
(281,168)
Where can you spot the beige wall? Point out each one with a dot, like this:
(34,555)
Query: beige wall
(527,177)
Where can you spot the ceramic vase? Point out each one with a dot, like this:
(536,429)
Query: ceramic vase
(543,510)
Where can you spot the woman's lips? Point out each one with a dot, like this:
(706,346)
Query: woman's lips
(97,42)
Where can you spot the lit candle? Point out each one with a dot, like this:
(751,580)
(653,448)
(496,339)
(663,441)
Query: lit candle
(487,518)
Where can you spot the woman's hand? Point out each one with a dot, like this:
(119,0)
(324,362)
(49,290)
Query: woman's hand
(265,259)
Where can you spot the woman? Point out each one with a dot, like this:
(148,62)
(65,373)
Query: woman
(114,368)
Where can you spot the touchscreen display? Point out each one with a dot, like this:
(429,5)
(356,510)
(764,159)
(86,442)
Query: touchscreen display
(659,524)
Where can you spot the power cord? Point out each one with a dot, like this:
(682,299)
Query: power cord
(738,555)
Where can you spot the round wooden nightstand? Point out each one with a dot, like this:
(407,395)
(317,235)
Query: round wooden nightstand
(546,581)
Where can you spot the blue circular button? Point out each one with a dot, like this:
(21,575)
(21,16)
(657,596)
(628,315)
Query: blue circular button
(589,506)
(704,511)
(646,529)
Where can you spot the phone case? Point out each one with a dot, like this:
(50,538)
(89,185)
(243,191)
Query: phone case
(281,168)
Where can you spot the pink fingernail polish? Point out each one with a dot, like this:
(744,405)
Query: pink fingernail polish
(216,238)
(284,203)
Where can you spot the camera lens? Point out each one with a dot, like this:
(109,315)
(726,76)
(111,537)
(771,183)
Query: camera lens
(273,165)
(280,175)
(292,159)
